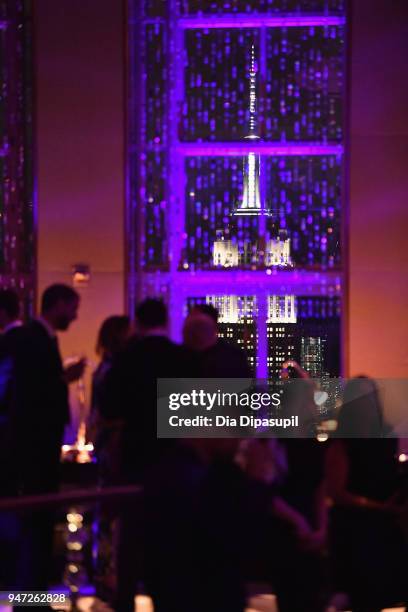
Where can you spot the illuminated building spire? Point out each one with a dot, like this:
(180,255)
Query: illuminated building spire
(253,69)
(251,199)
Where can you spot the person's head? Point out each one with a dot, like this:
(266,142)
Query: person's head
(59,306)
(361,413)
(199,331)
(9,307)
(206,309)
(113,335)
(151,316)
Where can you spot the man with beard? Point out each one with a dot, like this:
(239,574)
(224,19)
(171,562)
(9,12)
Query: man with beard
(40,400)
(40,411)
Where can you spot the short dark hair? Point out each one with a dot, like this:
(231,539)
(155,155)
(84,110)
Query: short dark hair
(151,313)
(209,310)
(10,303)
(55,293)
(111,334)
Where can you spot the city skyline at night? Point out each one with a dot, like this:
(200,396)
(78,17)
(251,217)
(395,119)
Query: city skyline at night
(240,186)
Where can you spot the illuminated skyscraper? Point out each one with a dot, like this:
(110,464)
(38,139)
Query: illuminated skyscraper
(236,132)
(312,355)
(248,255)
(236,322)
(225,254)
(282,346)
(251,201)
(233,308)
(282,309)
(281,332)
(277,252)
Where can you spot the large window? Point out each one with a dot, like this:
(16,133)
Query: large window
(235,170)
(17,249)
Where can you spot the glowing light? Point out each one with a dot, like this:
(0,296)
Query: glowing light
(403,457)
(74,517)
(320,397)
(235,149)
(81,278)
(330,425)
(257,21)
(80,451)
(143,603)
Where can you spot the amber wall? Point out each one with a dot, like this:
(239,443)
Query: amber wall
(378,265)
(79,62)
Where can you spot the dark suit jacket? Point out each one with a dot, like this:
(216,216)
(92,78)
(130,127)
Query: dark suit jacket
(131,394)
(223,360)
(40,407)
(205,520)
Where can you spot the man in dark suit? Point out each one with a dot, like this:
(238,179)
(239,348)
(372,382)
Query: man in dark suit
(41,408)
(130,395)
(131,385)
(40,411)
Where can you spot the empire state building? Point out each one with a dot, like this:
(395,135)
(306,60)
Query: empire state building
(251,204)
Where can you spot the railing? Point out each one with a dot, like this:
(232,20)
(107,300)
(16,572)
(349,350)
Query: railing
(31,502)
(85,530)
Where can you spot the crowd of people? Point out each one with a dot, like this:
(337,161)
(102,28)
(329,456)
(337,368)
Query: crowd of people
(308,518)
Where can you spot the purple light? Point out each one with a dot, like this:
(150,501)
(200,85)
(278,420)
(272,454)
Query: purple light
(224,149)
(262,365)
(258,21)
(223,282)
(258,283)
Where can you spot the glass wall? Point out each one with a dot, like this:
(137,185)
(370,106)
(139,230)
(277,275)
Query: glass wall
(235,175)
